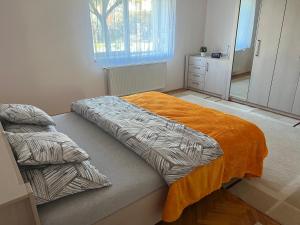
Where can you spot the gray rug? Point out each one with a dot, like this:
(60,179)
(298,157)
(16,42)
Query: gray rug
(277,193)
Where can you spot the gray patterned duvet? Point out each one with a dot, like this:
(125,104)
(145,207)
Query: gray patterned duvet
(172,149)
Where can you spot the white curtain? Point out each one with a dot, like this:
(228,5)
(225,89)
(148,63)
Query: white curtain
(130,32)
(246,24)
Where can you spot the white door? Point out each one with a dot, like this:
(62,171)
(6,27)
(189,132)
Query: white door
(286,73)
(215,79)
(267,41)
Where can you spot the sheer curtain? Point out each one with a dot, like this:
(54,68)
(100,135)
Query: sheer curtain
(246,24)
(130,32)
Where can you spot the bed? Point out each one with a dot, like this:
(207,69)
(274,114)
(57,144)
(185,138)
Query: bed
(137,188)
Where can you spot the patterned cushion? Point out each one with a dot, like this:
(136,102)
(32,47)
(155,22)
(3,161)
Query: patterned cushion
(24,114)
(44,148)
(56,181)
(26,128)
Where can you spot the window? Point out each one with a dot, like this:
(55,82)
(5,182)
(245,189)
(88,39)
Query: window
(246,24)
(127,32)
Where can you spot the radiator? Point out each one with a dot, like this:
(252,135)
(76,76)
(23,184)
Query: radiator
(134,79)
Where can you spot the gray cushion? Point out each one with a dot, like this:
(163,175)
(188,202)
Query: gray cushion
(57,181)
(44,148)
(24,114)
(27,128)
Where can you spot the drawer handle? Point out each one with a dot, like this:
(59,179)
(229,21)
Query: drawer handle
(195,75)
(195,83)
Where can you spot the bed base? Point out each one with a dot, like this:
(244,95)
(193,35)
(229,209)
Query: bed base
(231,183)
(146,211)
(17,204)
(16,198)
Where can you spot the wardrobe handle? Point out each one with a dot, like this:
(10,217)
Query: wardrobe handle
(258,48)
(207,65)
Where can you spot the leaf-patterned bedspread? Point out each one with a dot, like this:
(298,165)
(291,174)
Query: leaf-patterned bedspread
(172,149)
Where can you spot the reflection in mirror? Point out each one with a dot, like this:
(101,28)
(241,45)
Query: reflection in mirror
(244,48)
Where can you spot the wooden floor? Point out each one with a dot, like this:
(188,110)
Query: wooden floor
(222,208)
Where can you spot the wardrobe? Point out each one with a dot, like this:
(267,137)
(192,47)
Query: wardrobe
(275,77)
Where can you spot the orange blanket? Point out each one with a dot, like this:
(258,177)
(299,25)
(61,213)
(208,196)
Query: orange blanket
(242,142)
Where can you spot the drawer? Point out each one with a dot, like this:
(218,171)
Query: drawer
(196,84)
(198,61)
(197,77)
(197,69)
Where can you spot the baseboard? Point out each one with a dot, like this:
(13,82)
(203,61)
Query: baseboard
(233,99)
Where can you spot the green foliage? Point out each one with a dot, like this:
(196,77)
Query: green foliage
(203,49)
(108,17)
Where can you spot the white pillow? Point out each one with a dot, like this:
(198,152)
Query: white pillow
(56,181)
(24,114)
(26,128)
(44,148)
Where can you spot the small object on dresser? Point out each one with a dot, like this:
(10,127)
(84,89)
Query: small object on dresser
(216,55)
(203,51)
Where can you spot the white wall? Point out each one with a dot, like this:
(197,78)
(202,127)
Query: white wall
(46,53)
(190,25)
(220,24)
(46,56)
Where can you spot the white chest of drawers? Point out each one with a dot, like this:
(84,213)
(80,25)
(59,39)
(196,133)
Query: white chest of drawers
(197,67)
(206,74)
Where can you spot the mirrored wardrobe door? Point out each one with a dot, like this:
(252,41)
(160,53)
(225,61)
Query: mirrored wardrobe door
(244,48)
